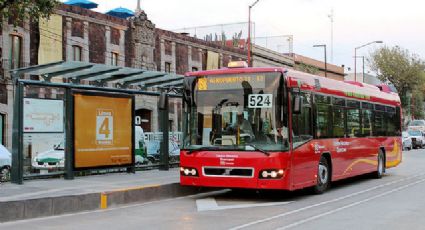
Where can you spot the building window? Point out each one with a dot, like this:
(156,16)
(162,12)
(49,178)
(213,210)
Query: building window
(15,52)
(168,67)
(2,117)
(194,69)
(76,51)
(114,59)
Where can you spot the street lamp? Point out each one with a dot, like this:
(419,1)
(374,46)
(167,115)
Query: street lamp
(326,65)
(362,57)
(249,31)
(355,55)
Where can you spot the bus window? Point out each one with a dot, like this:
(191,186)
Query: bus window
(390,120)
(353,122)
(338,122)
(378,124)
(323,118)
(366,122)
(301,123)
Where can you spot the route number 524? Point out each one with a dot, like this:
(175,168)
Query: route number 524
(260,100)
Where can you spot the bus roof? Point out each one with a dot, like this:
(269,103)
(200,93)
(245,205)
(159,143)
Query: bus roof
(310,82)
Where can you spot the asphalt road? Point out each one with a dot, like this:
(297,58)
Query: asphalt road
(397,201)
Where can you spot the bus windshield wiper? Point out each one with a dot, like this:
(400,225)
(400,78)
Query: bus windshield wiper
(258,149)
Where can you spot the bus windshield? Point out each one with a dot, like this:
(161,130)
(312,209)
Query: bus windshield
(237,112)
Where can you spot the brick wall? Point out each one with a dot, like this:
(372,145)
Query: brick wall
(97,43)
(64,38)
(168,48)
(77,28)
(226,60)
(157,53)
(115,36)
(129,48)
(195,54)
(34,42)
(182,62)
(3,94)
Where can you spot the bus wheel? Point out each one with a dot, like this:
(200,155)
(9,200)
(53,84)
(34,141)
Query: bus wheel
(381,166)
(323,176)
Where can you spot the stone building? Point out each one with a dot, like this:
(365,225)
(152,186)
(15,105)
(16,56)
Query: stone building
(78,34)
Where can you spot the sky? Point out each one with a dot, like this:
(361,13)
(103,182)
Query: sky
(356,22)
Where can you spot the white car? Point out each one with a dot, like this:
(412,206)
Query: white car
(5,163)
(418,139)
(417,125)
(407,141)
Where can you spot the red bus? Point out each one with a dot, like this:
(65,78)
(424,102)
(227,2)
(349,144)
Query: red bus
(276,128)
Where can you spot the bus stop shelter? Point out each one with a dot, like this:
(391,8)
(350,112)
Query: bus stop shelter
(89,77)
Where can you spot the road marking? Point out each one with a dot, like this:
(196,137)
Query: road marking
(210,204)
(323,203)
(349,206)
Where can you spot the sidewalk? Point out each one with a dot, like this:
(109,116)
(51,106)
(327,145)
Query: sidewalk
(36,198)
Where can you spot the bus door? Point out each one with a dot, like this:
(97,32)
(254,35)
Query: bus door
(303,164)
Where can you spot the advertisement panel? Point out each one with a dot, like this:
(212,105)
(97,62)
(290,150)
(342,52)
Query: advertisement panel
(43,116)
(103,130)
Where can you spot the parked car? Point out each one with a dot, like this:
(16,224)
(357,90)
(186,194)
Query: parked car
(5,163)
(407,141)
(418,139)
(417,125)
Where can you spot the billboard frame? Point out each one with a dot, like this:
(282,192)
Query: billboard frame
(130,167)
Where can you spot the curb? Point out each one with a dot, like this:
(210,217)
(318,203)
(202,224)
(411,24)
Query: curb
(52,206)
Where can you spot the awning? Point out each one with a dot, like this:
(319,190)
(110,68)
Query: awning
(82,3)
(102,75)
(121,13)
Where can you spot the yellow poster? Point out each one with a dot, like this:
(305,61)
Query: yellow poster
(102,131)
(212,60)
(50,49)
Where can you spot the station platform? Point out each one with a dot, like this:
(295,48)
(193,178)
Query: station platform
(49,197)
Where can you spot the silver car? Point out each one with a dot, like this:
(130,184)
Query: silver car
(418,139)
(407,141)
(417,125)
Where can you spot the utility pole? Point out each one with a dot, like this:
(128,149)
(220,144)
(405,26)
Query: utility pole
(249,31)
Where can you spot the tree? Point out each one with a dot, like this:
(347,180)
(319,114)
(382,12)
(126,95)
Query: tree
(404,70)
(21,10)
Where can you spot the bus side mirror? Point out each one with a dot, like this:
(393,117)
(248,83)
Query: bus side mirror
(297,107)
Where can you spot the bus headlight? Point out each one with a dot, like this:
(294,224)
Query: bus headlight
(272,174)
(186,171)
